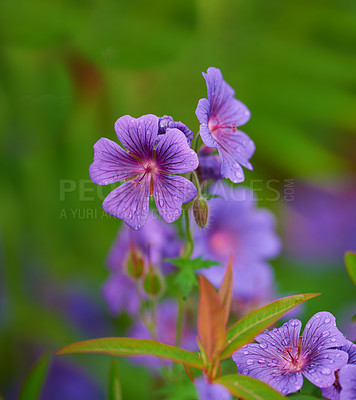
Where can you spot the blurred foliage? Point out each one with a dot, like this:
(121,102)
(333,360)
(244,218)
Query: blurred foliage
(69,69)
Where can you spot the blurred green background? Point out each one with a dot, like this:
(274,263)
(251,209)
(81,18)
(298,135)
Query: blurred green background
(69,69)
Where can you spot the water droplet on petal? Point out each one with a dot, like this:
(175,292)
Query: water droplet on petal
(246,352)
(263,345)
(261,361)
(326,333)
(326,371)
(249,362)
(327,320)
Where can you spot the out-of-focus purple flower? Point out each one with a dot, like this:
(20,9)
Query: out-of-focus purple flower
(120,294)
(66,381)
(320,224)
(237,227)
(219,117)
(146,169)
(166,122)
(347,379)
(209,165)
(211,391)
(165,327)
(281,359)
(333,392)
(155,242)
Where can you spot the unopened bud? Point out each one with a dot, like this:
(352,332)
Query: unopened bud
(153,283)
(201,211)
(135,266)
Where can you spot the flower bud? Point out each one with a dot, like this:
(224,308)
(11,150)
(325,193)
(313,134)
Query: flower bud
(135,265)
(201,211)
(153,283)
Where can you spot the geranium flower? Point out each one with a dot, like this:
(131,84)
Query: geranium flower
(211,391)
(281,357)
(236,226)
(334,392)
(147,170)
(166,122)
(220,115)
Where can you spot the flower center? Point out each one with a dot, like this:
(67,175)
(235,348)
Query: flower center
(217,128)
(292,357)
(222,243)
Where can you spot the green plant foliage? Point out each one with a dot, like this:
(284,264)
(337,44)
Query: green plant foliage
(114,382)
(132,347)
(247,388)
(350,261)
(244,330)
(32,387)
(186,278)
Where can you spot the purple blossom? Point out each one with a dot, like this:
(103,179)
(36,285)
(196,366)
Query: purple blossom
(219,117)
(146,169)
(333,392)
(120,294)
(281,357)
(154,242)
(211,391)
(165,325)
(347,379)
(209,165)
(166,122)
(237,227)
(320,224)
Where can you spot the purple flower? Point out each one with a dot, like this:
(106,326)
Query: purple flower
(147,170)
(209,165)
(347,379)
(320,224)
(219,117)
(120,294)
(165,325)
(154,242)
(281,357)
(237,227)
(333,392)
(211,391)
(165,123)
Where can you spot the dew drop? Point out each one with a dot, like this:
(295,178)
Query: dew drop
(263,346)
(261,361)
(326,333)
(327,320)
(246,352)
(326,371)
(249,362)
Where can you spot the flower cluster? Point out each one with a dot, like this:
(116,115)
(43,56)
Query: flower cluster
(281,357)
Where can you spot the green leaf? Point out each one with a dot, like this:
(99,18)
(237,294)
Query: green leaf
(245,330)
(114,382)
(32,387)
(247,388)
(133,347)
(350,261)
(178,391)
(300,396)
(186,278)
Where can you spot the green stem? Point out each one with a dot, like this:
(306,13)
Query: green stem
(197,183)
(149,324)
(189,244)
(179,325)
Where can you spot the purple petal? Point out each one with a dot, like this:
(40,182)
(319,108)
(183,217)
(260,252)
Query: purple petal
(219,92)
(331,392)
(347,377)
(119,292)
(350,349)
(170,192)
(166,122)
(202,112)
(234,112)
(130,202)
(235,148)
(263,361)
(173,154)
(321,333)
(279,338)
(111,163)
(322,365)
(139,135)
(211,391)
